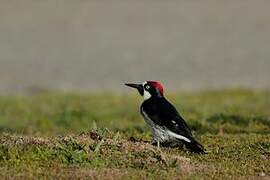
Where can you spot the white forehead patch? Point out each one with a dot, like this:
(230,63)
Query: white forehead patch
(144,83)
(146,94)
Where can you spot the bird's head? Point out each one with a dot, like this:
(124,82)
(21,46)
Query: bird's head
(148,89)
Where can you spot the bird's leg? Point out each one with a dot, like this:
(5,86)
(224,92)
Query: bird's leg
(158,144)
(154,142)
(171,144)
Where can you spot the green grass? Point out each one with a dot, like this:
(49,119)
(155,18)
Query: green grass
(102,136)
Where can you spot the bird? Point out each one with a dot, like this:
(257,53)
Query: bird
(168,128)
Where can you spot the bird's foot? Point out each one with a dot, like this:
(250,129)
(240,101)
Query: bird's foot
(153,142)
(160,144)
(157,143)
(167,144)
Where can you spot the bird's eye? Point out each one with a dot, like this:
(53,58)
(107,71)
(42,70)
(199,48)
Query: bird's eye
(147,87)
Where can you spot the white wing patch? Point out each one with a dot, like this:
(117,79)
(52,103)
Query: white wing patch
(178,136)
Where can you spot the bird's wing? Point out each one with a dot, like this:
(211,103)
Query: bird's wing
(164,114)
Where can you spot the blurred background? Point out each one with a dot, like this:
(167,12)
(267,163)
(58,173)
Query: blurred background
(98,45)
(64,108)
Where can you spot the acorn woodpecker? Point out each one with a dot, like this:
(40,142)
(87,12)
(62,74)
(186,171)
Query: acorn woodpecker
(168,127)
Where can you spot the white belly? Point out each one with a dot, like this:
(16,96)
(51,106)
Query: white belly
(159,133)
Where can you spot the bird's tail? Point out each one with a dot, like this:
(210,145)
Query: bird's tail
(194,146)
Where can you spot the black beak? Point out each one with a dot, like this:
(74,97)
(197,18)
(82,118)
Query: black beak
(139,87)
